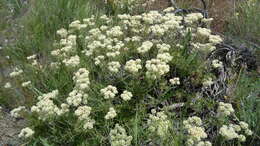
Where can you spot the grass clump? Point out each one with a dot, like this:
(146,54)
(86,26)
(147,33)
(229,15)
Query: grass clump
(245,23)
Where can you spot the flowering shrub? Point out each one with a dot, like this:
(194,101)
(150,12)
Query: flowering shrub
(123,70)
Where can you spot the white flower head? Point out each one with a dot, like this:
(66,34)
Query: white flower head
(7,85)
(126,95)
(109,92)
(133,66)
(26,133)
(175,81)
(146,46)
(26,84)
(119,137)
(111,114)
(114,66)
(217,64)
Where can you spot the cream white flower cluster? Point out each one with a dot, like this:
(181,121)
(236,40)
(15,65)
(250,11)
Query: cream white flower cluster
(111,114)
(83,113)
(26,84)
(175,81)
(156,68)
(224,109)
(73,61)
(146,46)
(104,41)
(207,82)
(26,133)
(245,127)
(133,66)
(119,137)
(217,64)
(45,107)
(33,59)
(68,43)
(126,95)
(62,33)
(81,79)
(16,72)
(165,57)
(215,39)
(109,92)
(158,123)
(114,66)
(196,133)
(233,131)
(163,47)
(193,18)
(99,59)
(76,25)
(16,112)
(76,97)
(7,85)
(163,52)
(51,95)
(203,32)
(203,39)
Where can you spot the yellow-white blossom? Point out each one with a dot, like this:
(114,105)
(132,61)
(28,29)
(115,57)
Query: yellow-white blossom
(208,82)
(81,78)
(193,126)
(158,123)
(119,137)
(109,92)
(156,68)
(133,66)
(16,72)
(225,109)
(126,95)
(165,57)
(75,98)
(26,133)
(83,113)
(175,81)
(25,84)
(99,59)
(114,66)
(16,112)
(62,33)
(215,39)
(111,114)
(193,17)
(217,64)
(228,132)
(72,61)
(7,85)
(146,46)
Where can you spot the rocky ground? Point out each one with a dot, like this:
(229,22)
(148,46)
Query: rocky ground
(9,129)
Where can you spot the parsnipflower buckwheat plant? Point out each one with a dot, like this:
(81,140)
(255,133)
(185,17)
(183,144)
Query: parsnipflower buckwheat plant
(116,69)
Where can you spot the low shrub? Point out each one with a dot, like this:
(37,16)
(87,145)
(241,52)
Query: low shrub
(129,80)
